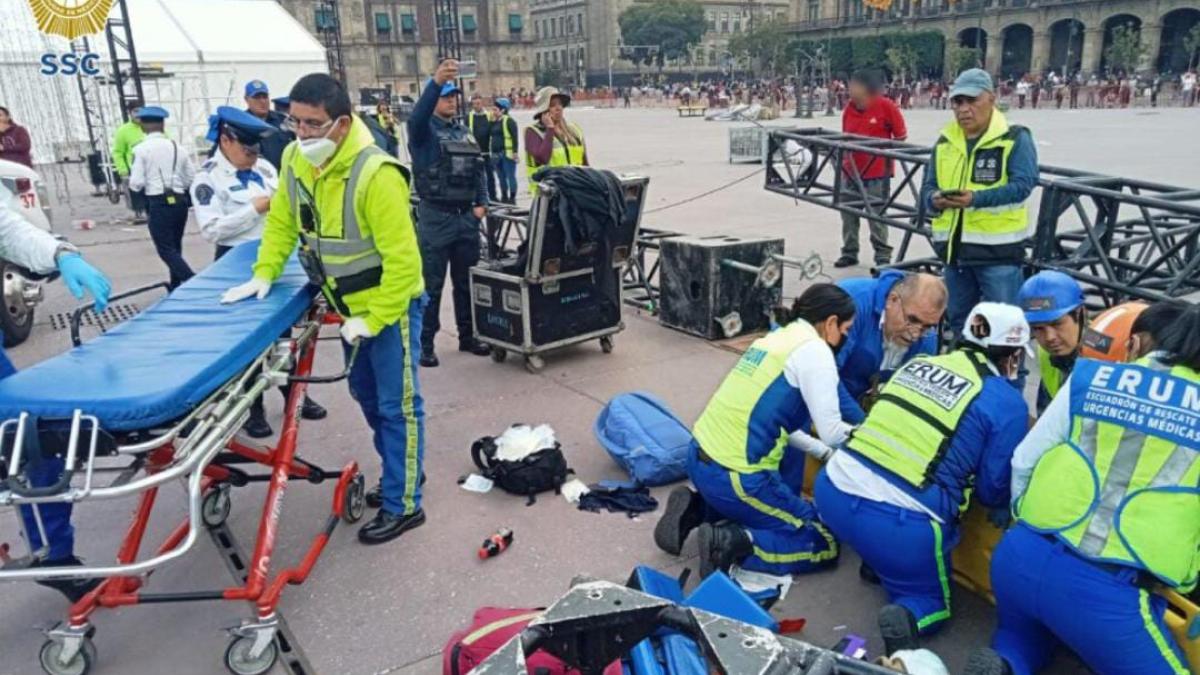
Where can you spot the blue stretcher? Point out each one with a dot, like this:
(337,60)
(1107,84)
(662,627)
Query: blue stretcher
(157,366)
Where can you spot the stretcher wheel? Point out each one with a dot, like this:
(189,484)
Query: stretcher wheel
(499,355)
(534,363)
(356,500)
(606,344)
(215,507)
(239,661)
(80,665)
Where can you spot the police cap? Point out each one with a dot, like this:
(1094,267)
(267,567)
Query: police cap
(151,113)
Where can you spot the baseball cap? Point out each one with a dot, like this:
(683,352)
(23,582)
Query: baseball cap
(447,89)
(1003,326)
(971,82)
(256,87)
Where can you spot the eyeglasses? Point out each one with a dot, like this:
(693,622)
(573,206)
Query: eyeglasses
(295,124)
(914,323)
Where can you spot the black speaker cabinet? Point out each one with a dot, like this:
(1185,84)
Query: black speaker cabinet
(704,295)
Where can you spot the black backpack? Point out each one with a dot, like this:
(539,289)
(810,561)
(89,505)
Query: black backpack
(540,471)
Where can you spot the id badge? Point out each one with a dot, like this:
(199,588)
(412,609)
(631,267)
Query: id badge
(989,166)
(171,200)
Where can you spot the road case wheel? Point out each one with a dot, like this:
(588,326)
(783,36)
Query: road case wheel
(239,661)
(534,363)
(355,501)
(81,664)
(499,355)
(606,344)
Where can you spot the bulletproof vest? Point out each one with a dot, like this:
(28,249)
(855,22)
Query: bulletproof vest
(454,177)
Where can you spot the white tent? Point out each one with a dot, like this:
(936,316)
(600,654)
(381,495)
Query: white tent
(206,49)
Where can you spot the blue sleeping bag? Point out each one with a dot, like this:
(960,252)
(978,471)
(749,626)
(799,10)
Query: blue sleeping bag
(641,434)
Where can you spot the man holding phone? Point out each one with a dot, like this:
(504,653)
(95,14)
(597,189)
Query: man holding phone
(980,174)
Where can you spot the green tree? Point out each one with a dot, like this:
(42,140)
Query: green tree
(1125,51)
(674,26)
(867,52)
(960,58)
(549,76)
(902,61)
(1191,45)
(769,46)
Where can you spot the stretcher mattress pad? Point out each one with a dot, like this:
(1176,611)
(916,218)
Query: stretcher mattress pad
(157,366)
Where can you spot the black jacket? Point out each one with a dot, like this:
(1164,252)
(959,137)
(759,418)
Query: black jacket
(590,205)
(498,134)
(273,145)
(481,129)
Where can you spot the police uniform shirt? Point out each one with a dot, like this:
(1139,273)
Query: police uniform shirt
(223,199)
(160,164)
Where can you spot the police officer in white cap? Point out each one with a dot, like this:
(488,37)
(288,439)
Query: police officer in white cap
(232,193)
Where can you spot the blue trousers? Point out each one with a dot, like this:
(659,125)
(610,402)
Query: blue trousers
(969,285)
(383,380)
(506,172)
(783,525)
(909,551)
(1047,594)
(56,518)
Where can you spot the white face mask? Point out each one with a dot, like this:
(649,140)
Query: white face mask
(318,150)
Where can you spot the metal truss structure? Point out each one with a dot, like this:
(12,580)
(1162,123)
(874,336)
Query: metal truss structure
(1121,238)
(597,622)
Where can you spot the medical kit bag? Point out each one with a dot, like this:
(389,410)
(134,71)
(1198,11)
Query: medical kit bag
(645,438)
(540,471)
(490,629)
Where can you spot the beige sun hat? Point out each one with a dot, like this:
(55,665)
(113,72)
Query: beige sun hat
(541,102)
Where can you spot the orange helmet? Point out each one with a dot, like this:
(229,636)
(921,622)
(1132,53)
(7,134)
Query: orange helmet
(1107,338)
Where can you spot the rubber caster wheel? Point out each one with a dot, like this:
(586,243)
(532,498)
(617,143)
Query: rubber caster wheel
(215,508)
(239,661)
(534,364)
(355,501)
(606,344)
(499,355)
(82,664)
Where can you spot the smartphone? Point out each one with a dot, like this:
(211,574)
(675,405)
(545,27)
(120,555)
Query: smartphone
(953,193)
(468,70)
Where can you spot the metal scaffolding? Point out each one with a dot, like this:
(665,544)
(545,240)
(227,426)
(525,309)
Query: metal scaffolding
(1120,237)
(449,40)
(329,29)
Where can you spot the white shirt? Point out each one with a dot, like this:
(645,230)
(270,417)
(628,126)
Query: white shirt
(1022,88)
(811,369)
(1188,81)
(224,207)
(160,163)
(22,242)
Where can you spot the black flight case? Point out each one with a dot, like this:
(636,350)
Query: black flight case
(540,298)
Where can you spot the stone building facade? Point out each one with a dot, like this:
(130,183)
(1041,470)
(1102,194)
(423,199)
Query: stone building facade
(1019,36)
(393,42)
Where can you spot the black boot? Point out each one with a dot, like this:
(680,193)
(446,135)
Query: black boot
(73,589)
(428,358)
(846,261)
(386,526)
(868,575)
(985,661)
(721,546)
(474,346)
(256,426)
(684,512)
(898,627)
(311,410)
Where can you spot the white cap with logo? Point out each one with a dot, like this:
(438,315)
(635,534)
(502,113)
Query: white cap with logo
(995,324)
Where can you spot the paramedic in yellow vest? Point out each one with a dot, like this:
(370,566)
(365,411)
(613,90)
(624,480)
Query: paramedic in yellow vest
(1053,306)
(346,203)
(980,173)
(748,509)
(505,144)
(125,138)
(1106,491)
(551,140)
(943,428)
(479,123)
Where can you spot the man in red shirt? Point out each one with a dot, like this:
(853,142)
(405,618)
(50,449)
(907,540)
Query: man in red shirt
(868,114)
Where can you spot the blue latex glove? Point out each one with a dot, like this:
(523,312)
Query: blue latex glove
(1001,517)
(80,276)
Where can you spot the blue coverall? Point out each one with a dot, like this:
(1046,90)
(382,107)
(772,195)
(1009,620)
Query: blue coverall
(860,357)
(907,549)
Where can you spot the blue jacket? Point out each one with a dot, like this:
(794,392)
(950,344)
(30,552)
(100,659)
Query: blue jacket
(979,456)
(424,131)
(860,357)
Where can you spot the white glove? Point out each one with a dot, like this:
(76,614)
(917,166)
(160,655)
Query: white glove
(813,446)
(255,287)
(355,328)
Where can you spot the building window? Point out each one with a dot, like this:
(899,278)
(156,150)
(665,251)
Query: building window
(515,23)
(712,57)
(383,23)
(711,17)
(562,26)
(570,25)
(545,29)
(579,23)
(408,24)
(724,22)
(539,60)
(410,64)
(814,10)
(737,24)
(537,29)
(385,65)
(468,23)
(553,28)
(324,19)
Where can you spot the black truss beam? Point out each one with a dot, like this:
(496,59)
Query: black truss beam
(1121,237)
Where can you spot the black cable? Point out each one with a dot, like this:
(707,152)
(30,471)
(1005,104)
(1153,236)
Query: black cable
(705,194)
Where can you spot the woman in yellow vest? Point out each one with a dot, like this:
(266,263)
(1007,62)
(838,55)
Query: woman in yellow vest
(551,140)
(1107,499)
(740,461)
